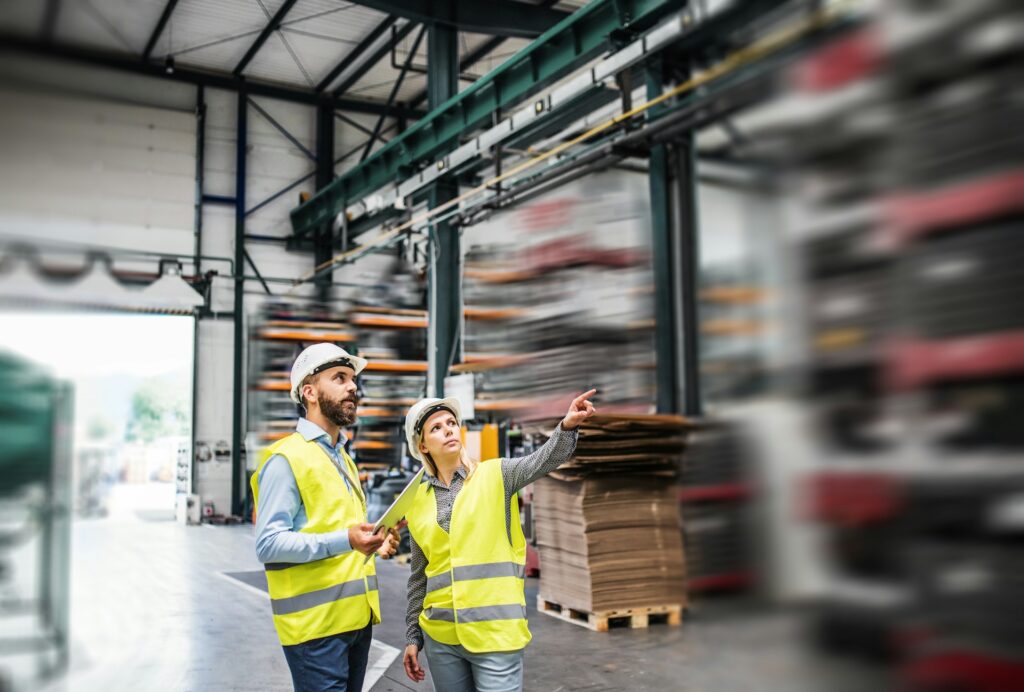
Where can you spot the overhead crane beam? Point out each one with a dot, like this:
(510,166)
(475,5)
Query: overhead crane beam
(578,38)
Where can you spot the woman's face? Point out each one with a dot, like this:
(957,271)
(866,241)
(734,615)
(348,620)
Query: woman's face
(441,435)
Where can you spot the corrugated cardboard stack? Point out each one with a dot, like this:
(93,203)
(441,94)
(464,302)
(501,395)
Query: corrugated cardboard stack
(607,522)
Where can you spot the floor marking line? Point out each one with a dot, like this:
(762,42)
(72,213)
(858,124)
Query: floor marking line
(386,654)
(243,585)
(381,654)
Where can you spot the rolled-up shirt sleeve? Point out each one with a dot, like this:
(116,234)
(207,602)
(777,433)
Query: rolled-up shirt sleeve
(277,538)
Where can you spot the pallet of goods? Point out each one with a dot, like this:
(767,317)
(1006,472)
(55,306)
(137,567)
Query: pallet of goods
(608,525)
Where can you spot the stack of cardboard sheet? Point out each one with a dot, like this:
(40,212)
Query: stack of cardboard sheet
(607,522)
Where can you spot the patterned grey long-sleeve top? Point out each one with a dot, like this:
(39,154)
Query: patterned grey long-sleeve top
(517,474)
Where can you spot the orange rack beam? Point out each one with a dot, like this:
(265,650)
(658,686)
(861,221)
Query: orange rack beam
(393,322)
(309,335)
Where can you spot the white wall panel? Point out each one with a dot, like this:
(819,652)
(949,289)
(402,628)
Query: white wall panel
(92,170)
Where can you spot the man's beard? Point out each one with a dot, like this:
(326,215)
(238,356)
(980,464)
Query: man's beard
(336,411)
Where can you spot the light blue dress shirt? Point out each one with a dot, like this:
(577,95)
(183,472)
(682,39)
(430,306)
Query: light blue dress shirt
(281,514)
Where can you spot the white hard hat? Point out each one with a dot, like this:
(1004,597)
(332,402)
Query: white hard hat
(418,415)
(320,357)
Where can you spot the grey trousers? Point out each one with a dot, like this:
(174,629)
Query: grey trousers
(453,669)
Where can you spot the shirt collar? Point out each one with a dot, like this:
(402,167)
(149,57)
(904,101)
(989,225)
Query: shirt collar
(311,431)
(436,482)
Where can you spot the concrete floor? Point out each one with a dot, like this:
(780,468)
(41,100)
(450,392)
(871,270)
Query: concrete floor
(154,610)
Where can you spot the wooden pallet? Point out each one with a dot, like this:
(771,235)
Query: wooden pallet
(601,621)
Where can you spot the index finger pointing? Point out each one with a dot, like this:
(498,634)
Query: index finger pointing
(582,397)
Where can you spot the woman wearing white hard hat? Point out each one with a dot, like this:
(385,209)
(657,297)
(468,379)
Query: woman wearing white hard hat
(467,606)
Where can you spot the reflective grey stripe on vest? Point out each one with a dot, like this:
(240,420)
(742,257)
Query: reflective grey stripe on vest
(439,581)
(495,612)
(295,604)
(445,614)
(490,570)
(371,582)
(276,566)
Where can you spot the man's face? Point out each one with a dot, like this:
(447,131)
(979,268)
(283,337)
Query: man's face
(334,391)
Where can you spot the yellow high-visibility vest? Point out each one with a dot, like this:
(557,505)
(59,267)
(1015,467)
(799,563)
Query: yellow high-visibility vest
(336,594)
(475,573)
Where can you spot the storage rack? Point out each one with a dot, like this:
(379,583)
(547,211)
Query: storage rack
(933,263)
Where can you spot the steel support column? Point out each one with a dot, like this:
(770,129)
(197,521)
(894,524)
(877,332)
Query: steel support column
(237,433)
(197,269)
(200,176)
(665,304)
(444,287)
(323,240)
(689,263)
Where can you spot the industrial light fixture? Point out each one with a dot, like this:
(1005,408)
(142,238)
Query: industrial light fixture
(171,291)
(21,284)
(169,64)
(99,288)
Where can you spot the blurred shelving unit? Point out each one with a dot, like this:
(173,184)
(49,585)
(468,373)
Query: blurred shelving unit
(277,335)
(715,490)
(394,342)
(916,352)
(532,337)
(732,324)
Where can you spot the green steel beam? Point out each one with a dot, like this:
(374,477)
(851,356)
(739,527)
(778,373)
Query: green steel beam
(558,119)
(666,339)
(578,38)
(688,251)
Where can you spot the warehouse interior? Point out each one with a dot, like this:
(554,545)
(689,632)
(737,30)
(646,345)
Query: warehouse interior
(776,236)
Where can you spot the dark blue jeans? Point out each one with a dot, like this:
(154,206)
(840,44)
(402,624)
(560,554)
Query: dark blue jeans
(335,664)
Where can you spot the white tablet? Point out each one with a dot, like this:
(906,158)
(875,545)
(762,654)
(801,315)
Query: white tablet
(401,506)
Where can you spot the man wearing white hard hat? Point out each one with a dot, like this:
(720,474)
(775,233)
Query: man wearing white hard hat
(467,605)
(312,534)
